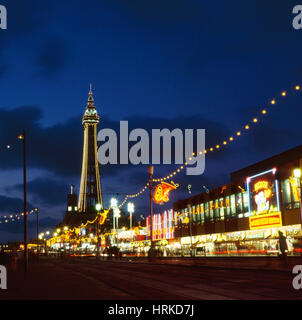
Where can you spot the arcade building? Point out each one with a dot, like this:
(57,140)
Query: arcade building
(246,216)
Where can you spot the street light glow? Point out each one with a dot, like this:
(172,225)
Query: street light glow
(130,207)
(113,202)
(297,173)
(98,206)
(117,212)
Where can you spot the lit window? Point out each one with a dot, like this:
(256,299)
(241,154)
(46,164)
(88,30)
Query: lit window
(69,208)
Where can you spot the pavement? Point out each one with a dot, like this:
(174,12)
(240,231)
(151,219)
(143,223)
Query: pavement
(176,279)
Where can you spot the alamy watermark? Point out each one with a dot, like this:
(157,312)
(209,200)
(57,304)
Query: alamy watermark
(297,281)
(3,277)
(297,21)
(139,152)
(3,17)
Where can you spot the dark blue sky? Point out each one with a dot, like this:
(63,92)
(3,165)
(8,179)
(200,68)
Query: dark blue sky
(156,63)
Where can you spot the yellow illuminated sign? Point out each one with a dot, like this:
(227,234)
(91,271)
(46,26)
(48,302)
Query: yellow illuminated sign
(271,220)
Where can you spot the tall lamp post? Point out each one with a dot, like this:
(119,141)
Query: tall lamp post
(190,226)
(297,175)
(116,212)
(37,216)
(150,172)
(23,137)
(130,210)
(113,204)
(98,208)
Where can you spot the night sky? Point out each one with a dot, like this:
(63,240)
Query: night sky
(157,64)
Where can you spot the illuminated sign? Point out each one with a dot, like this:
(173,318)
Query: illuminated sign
(263,193)
(271,220)
(295,188)
(161,193)
(103,216)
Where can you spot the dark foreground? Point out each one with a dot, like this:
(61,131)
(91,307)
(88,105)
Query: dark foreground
(131,280)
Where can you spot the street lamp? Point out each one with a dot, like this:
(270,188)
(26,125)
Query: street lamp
(113,203)
(117,215)
(150,172)
(38,246)
(23,137)
(98,208)
(130,210)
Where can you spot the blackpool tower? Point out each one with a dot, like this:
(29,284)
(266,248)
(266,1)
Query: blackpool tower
(90,189)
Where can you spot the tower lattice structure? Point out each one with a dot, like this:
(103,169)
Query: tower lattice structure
(90,189)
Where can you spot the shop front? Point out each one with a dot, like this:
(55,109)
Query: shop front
(244,243)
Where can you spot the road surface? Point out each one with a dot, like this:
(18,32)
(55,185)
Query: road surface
(132,280)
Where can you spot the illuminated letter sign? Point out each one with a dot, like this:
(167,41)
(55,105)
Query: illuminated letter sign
(161,193)
(271,220)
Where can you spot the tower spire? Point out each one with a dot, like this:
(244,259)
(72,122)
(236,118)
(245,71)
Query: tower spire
(90,98)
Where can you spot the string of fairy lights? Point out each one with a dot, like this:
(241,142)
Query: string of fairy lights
(14,217)
(219,146)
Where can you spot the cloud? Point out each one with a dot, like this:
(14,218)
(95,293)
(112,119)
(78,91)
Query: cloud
(11,205)
(48,191)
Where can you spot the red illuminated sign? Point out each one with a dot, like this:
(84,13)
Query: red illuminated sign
(161,193)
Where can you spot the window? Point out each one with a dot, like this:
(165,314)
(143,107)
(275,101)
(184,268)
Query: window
(217,217)
(69,208)
(207,212)
(193,214)
(286,191)
(291,193)
(198,213)
(202,213)
(245,202)
(211,211)
(221,210)
(239,203)
(233,206)
(227,207)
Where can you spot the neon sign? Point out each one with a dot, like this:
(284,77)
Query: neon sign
(263,193)
(161,193)
(271,220)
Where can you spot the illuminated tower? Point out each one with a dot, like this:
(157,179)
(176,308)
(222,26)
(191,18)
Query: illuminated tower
(90,189)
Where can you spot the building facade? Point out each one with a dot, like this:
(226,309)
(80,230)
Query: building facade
(246,216)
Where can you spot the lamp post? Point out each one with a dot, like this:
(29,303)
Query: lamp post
(113,203)
(130,210)
(23,138)
(116,212)
(190,226)
(297,175)
(98,208)
(150,172)
(37,216)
